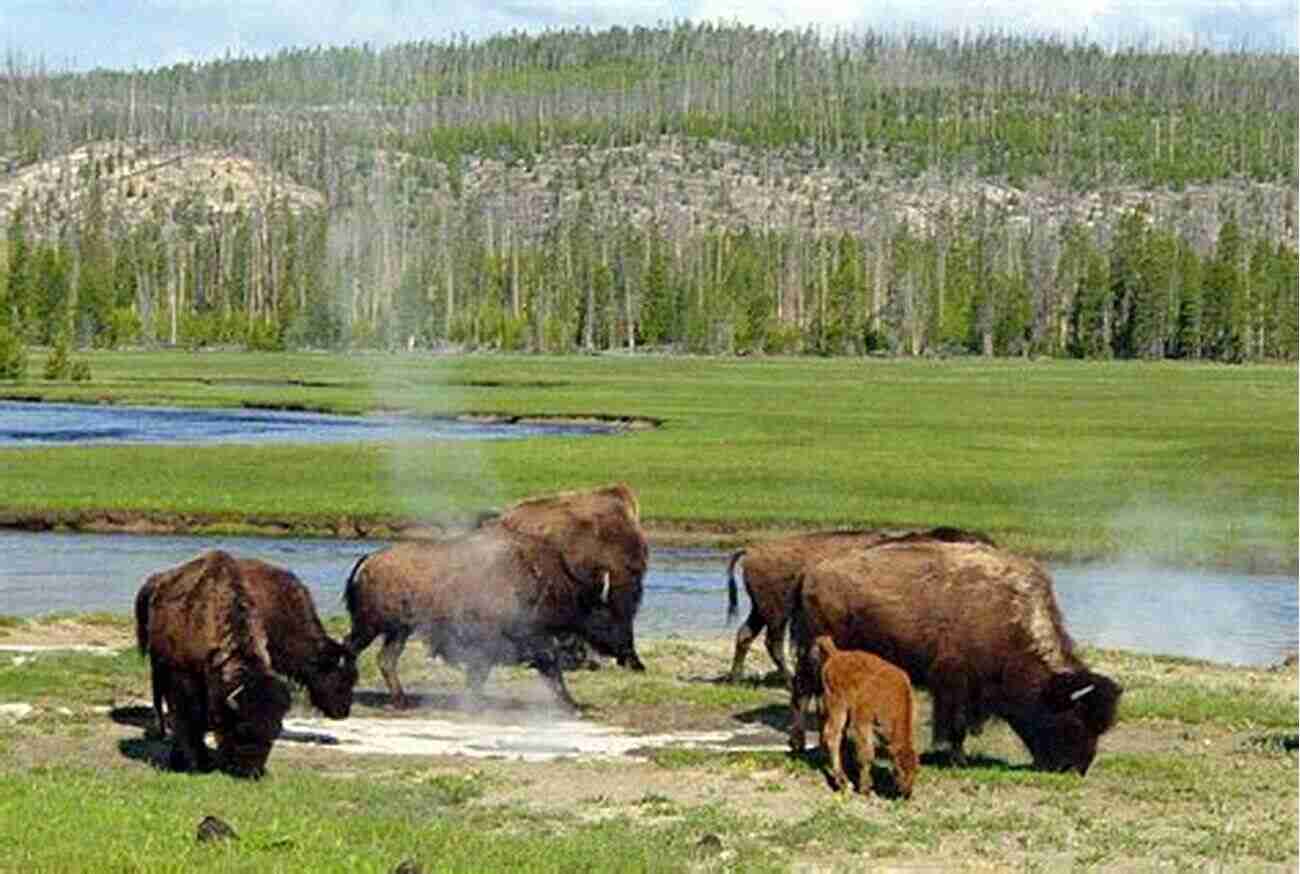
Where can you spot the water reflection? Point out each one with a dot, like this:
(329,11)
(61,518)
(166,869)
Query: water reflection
(1216,615)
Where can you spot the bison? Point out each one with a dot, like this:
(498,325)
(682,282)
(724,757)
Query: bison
(295,641)
(865,691)
(772,570)
(977,626)
(209,659)
(598,531)
(492,596)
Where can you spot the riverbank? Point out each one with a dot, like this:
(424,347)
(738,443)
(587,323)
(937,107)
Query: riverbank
(661,534)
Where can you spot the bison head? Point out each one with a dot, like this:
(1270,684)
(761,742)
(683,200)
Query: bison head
(1074,710)
(332,678)
(255,718)
(607,613)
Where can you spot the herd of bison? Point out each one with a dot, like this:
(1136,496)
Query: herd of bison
(870,613)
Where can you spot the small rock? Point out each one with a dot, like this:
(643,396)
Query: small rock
(213,829)
(408,866)
(709,844)
(16,711)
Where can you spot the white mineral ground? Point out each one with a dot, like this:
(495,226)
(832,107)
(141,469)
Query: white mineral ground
(531,740)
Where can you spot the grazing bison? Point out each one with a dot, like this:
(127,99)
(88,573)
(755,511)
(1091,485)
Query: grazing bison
(978,626)
(492,596)
(598,531)
(866,692)
(772,570)
(297,643)
(209,659)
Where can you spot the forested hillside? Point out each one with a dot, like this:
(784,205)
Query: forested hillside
(710,189)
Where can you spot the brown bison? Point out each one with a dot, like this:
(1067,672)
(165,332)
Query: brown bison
(866,692)
(598,531)
(207,648)
(296,643)
(977,626)
(492,596)
(772,570)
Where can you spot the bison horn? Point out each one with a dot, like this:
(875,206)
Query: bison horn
(230,699)
(604,589)
(1079,693)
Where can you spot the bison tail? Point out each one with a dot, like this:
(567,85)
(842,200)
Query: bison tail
(351,594)
(142,618)
(733,597)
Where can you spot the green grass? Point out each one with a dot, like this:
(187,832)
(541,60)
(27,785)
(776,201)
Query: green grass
(1181,463)
(146,821)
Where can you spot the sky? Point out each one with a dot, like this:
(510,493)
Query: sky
(71,35)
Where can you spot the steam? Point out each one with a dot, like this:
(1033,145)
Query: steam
(1171,589)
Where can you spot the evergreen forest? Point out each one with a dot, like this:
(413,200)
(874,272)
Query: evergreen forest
(686,188)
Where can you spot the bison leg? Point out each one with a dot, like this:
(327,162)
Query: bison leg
(187,700)
(476,674)
(833,737)
(864,744)
(745,636)
(159,680)
(801,690)
(775,641)
(549,667)
(950,697)
(394,643)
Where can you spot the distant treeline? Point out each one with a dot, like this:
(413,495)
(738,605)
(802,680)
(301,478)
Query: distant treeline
(406,255)
(975,285)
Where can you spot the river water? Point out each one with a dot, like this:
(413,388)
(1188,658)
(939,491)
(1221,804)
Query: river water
(1247,619)
(35,424)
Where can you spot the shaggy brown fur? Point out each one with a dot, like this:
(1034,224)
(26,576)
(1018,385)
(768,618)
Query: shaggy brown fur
(598,531)
(976,625)
(493,596)
(297,643)
(772,570)
(867,693)
(207,648)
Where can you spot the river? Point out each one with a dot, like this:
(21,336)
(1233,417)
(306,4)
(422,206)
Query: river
(1219,615)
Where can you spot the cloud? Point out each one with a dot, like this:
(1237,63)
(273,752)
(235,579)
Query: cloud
(148,33)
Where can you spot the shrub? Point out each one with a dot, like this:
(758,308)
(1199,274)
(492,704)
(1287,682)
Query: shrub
(58,362)
(13,355)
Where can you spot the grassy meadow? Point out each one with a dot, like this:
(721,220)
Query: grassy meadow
(1174,462)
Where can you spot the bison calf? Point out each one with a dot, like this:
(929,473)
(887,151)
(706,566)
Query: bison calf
(867,693)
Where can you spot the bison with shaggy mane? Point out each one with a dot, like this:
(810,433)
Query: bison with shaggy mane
(977,626)
(280,607)
(209,662)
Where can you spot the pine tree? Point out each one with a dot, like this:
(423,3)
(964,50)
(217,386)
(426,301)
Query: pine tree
(1224,305)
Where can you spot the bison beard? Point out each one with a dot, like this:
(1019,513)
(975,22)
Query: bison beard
(493,596)
(977,626)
